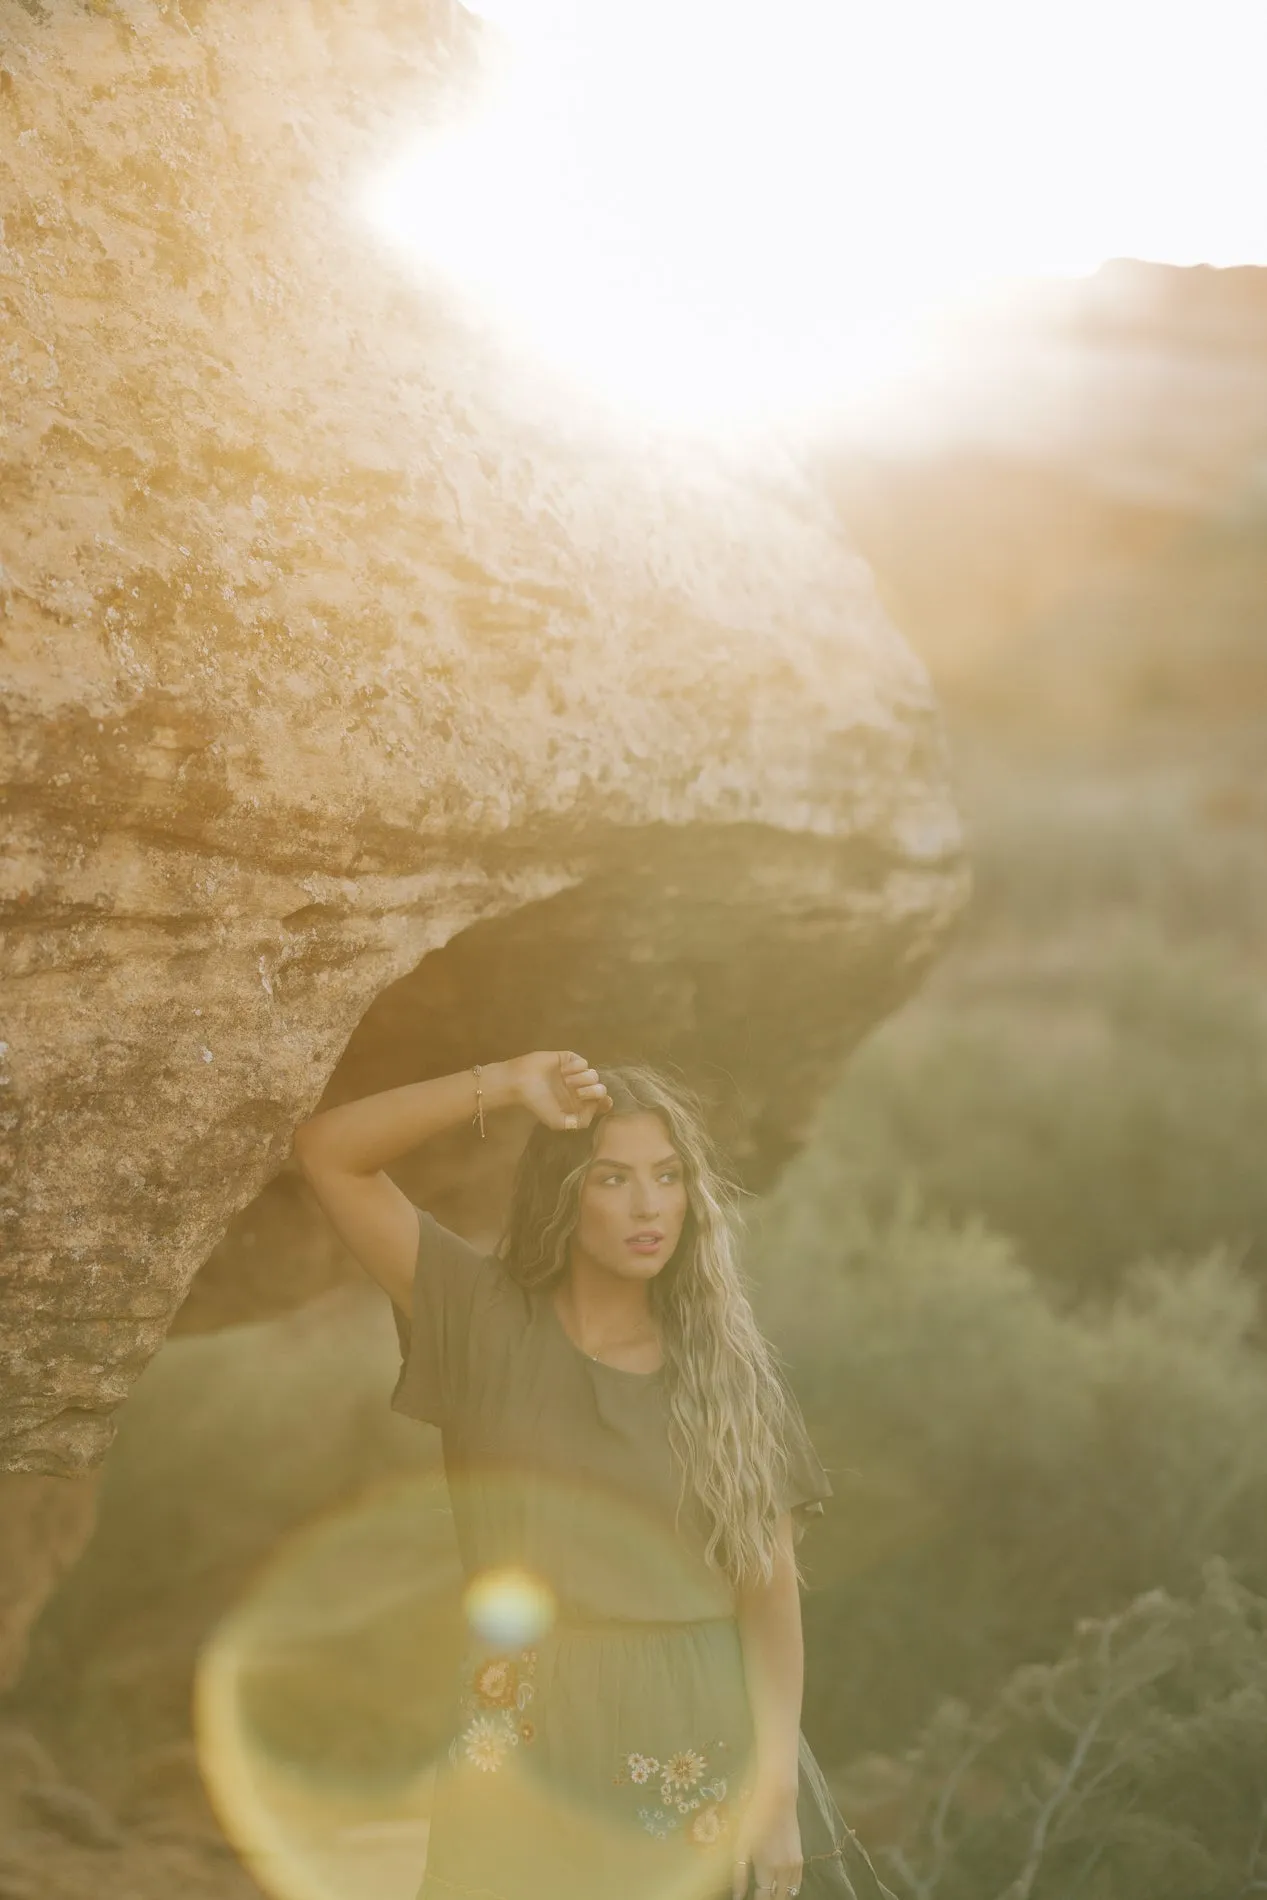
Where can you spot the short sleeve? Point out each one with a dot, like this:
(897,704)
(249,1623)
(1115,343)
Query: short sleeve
(806,1486)
(435,1334)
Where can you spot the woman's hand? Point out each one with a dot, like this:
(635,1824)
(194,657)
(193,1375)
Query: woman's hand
(557,1084)
(771,1848)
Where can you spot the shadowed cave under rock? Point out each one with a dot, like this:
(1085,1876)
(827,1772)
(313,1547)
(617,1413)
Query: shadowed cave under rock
(750,961)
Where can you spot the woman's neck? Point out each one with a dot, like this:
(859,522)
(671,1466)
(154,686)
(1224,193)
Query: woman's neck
(605,1313)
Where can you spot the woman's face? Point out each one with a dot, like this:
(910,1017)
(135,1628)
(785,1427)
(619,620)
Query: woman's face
(633,1201)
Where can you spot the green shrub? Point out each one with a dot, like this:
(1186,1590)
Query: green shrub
(1096,1100)
(1002,1467)
(1066,844)
(1133,1767)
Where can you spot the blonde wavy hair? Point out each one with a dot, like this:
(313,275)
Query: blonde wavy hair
(729,1410)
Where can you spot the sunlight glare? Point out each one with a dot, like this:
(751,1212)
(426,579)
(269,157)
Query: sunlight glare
(509,1608)
(720,216)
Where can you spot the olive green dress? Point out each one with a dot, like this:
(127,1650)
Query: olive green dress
(602,1739)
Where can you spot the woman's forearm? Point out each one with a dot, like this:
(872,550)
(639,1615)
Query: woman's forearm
(773,1647)
(362,1137)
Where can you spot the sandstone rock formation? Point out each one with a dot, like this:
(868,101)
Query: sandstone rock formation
(45,1522)
(357,725)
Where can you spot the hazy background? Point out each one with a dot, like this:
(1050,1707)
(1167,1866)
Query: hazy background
(1018,1273)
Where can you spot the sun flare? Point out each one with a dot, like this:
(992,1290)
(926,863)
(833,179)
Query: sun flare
(698,216)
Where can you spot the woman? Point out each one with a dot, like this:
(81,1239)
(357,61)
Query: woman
(626,1468)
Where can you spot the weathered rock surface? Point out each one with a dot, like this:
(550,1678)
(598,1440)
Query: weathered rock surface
(45,1521)
(58,1843)
(356,726)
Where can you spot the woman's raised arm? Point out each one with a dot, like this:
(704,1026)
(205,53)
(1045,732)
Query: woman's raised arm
(343,1151)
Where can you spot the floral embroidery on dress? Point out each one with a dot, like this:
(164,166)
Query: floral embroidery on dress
(692,1794)
(681,1773)
(492,1722)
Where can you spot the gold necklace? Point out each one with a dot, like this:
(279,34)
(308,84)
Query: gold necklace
(634,1339)
(631,1339)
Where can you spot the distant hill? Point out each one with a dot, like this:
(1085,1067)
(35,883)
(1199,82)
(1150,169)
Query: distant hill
(1070,519)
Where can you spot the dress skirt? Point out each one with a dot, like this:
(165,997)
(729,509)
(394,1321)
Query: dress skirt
(611,1762)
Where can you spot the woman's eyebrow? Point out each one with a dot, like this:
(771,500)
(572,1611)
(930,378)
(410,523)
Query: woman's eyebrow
(606,1161)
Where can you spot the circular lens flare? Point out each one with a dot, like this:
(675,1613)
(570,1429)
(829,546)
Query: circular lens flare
(325,1699)
(321,1698)
(509,1608)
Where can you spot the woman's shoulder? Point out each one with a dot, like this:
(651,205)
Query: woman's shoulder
(483,1275)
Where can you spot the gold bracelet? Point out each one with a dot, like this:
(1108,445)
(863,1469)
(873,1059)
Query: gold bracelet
(477,1120)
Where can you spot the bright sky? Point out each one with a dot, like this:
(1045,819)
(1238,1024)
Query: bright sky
(725,214)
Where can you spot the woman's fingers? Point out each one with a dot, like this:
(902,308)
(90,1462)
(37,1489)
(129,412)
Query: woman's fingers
(773,1883)
(587,1084)
(583,1087)
(739,1882)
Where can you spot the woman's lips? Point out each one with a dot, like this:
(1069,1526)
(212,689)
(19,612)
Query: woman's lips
(644,1243)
